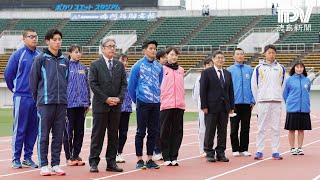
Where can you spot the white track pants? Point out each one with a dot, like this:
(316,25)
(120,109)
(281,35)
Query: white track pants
(269,116)
(202,130)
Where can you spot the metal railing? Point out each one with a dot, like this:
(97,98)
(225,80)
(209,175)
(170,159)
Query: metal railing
(315,47)
(11,33)
(184,49)
(228,48)
(192,70)
(291,47)
(261,29)
(121,32)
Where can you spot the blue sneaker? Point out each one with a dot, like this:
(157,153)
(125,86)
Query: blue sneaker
(140,165)
(259,156)
(16,164)
(152,165)
(277,156)
(29,163)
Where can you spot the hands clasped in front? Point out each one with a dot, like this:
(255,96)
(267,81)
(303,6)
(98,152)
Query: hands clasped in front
(113,101)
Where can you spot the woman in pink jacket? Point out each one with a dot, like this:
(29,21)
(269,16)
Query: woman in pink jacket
(172,108)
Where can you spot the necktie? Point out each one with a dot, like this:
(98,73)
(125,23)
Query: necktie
(221,78)
(110,67)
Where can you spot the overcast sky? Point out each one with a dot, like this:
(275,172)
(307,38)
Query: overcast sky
(247,4)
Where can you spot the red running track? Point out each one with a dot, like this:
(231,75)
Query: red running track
(191,165)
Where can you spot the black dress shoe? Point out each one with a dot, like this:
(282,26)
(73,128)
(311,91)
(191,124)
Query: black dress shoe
(94,168)
(222,159)
(211,159)
(114,168)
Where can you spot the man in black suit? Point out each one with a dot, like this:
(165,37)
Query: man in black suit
(108,83)
(217,101)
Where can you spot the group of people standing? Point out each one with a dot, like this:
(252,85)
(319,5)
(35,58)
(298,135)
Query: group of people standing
(52,94)
(235,91)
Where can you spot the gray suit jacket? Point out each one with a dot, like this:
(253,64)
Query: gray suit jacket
(104,86)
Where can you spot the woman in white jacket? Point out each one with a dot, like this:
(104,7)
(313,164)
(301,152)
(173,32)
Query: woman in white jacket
(196,97)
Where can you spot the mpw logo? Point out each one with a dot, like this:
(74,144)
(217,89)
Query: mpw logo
(288,15)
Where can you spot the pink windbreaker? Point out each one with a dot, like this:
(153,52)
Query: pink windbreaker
(172,89)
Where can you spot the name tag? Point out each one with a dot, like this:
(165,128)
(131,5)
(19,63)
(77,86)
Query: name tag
(81,71)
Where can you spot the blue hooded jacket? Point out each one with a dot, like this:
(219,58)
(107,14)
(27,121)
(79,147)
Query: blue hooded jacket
(241,79)
(296,94)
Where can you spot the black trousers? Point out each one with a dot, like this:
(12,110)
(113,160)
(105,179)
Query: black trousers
(215,122)
(74,132)
(147,119)
(102,121)
(123,130)
(51,117)
(243,117)
(171,133)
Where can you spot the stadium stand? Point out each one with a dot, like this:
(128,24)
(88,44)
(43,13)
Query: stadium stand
(80,32)
(3,24)
(39,25)
(284,59)
(307,37)
(139,25)
(220,30)
(175,29)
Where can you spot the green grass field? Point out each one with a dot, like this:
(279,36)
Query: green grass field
(6,120)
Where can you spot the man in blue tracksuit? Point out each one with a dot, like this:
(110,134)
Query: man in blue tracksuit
(244,102)
(17,75)
(144,89)
(48,83)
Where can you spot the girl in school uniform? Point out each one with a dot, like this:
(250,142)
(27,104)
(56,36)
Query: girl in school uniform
(297,99)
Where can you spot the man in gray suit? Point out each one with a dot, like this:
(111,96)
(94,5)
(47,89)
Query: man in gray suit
(108,83)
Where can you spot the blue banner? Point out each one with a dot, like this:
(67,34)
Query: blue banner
(87,7)
(113,16)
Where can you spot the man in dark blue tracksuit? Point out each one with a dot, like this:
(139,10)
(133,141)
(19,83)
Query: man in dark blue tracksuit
(17,75)
(48,83)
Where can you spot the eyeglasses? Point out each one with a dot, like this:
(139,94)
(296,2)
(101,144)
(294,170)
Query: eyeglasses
(32,36)
(219,58)
(111,46)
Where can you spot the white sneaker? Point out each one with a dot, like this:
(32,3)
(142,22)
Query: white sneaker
(245,153)
(236,154)
(293,151)
(120,159)
(167,163)
(45,171)
(175,163)
(203,154)
(157,157)
(300,151)
(57,170)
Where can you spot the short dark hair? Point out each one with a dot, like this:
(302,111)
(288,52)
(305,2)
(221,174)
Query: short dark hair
(269,46)
(73,47)
(160,54)
(49,35)
(238,49)
(216,52)
(25,32)
(146,43)
(169,49)
(121,55)
(292,70)
(207,60)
